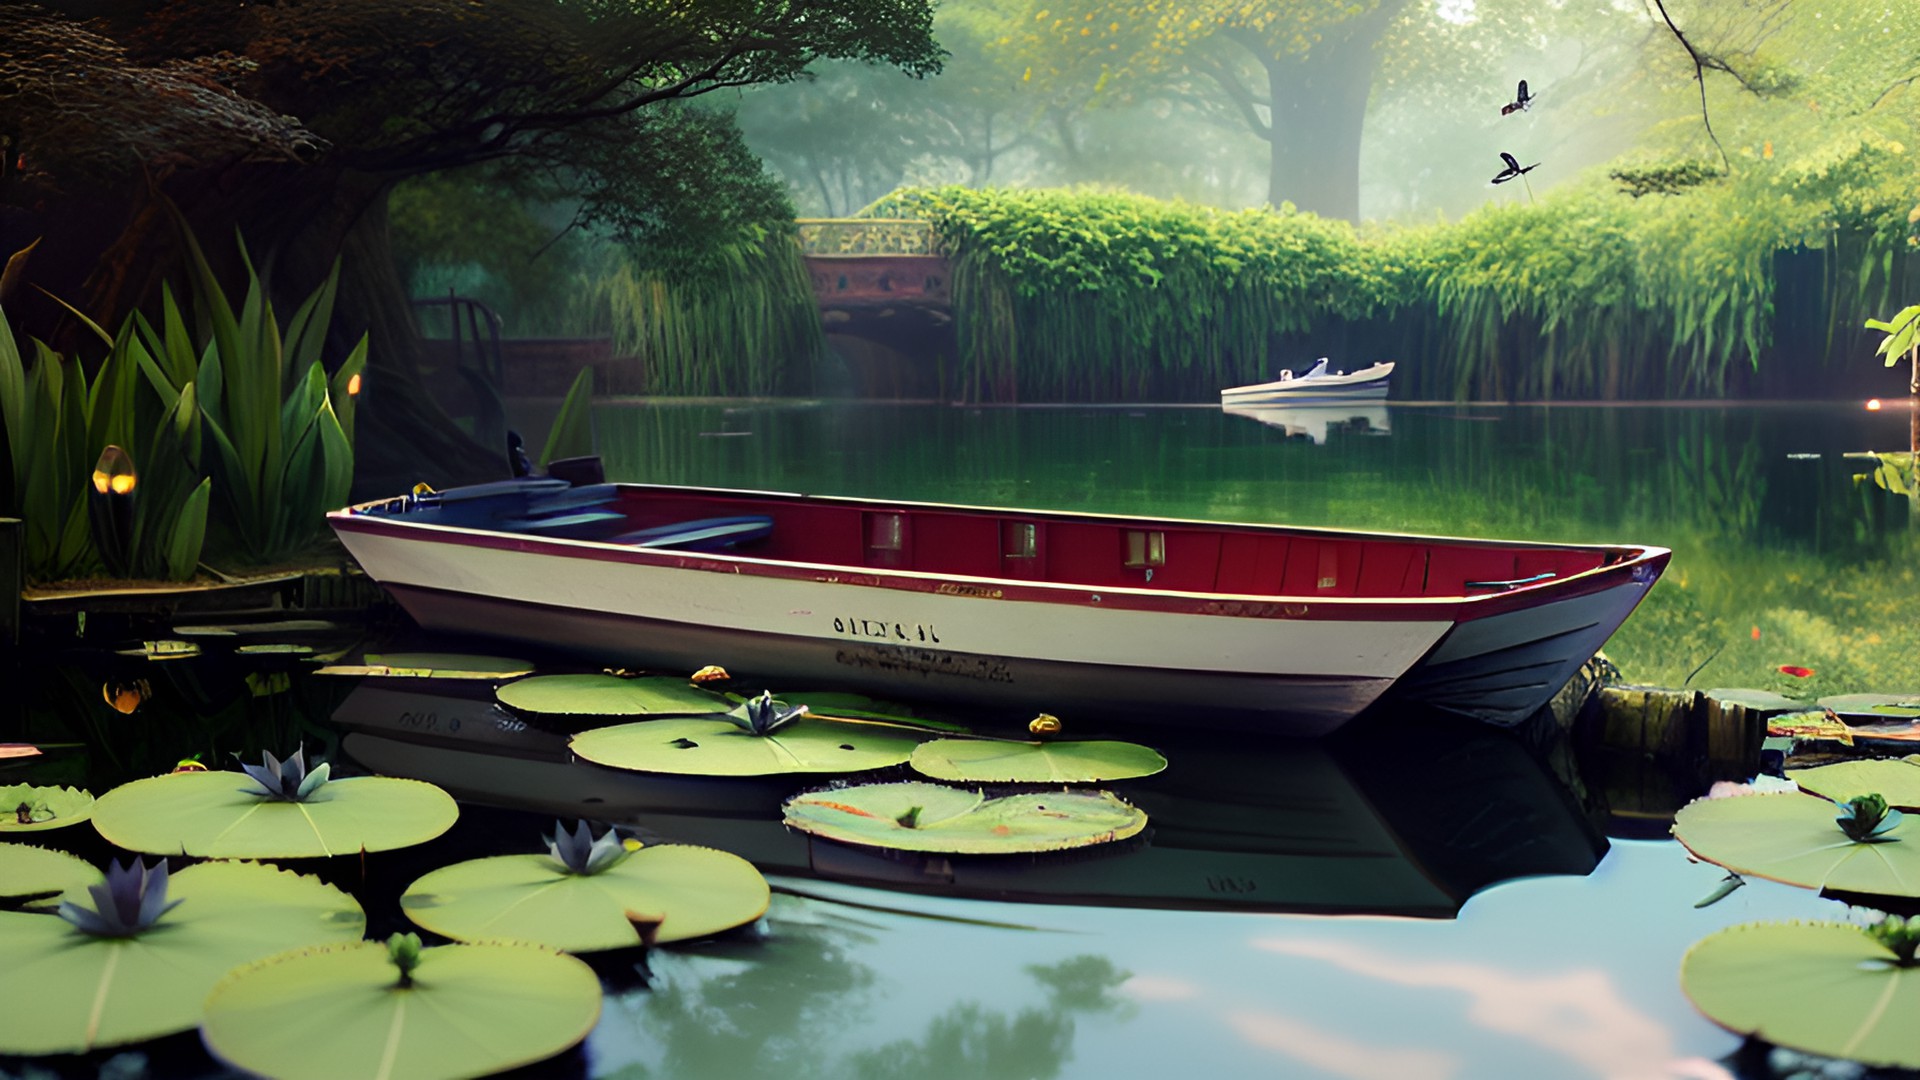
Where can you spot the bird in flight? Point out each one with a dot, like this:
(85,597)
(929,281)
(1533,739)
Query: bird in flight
(1513,168)
(1521,100)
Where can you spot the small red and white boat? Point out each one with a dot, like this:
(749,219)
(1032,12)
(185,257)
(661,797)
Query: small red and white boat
(1290,630)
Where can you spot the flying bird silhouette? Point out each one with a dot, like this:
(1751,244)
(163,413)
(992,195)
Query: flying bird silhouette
(1521,100)
(1513,168)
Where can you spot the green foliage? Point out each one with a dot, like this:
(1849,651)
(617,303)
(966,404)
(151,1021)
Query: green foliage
(572,434)
(1664,179)
(751,328)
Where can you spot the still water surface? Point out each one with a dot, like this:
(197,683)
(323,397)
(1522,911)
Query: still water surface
(1411,903)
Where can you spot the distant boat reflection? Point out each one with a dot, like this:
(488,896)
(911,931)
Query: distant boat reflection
(1401,822)
(1316,423)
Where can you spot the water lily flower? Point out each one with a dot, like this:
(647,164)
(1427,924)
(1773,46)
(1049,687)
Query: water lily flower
(579,853)
(131,899)
(1866,819)
(287,780)
(763,715)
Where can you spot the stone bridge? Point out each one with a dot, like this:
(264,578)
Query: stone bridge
(885,295)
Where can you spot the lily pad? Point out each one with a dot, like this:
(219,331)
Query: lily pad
(275,648)
(835,705)
(995,761)
(26,808)
(1883,706)
(1824,988)
(1765,701)
(700,747)
(658,894)
(1896,780)
(74,992)
(610,695)
(218,815)
(26,870)
(430,665)
(334,1011)
(928,817)
(1793,838)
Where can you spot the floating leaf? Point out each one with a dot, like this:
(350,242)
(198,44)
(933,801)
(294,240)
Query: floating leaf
(1898,781)
(73,992)
(26,870)
(994,761)
(1810,724)
(658,894)
(610,695)
(334,1011)
(1792,837)
(700,747)
(1765,701)
(162,650)
(1824,988)
(430,665)
(928,817)
(215,815)
(26,808)
(18,750)
(278,648)
(1883,706)
(834,705)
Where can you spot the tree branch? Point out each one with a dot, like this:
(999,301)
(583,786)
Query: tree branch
(1699,76)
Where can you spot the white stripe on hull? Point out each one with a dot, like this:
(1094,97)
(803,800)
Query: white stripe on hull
(837,611)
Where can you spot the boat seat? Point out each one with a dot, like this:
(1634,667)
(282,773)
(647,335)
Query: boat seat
(560,523)
(705,534)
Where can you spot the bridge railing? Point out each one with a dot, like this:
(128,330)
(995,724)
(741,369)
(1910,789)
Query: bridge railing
(866,236)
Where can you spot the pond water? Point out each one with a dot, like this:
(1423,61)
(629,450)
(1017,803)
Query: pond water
(1411,899)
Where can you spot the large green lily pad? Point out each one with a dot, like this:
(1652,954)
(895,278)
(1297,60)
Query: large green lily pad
(700,747)
(1824,988)
(1765,701)
(1791,837)
(431,665)
(610,695)
(929,817)
(26,808)
(1897,781)
(658,894)
(1883,706)
(214,815)
(831,704)
(26,870)
(335,1011)
(70,992)
(997,761)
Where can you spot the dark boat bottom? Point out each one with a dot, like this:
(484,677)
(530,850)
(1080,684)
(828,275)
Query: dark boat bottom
(1295,705)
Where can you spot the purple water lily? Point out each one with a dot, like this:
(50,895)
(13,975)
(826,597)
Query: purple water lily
(131,899)
(287,781)
(763,715)
(579,853)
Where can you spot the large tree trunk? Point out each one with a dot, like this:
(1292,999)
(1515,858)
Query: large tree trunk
(1319,114)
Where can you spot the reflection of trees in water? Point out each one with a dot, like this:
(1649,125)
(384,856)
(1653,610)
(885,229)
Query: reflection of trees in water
(972,1041)
(781,1006)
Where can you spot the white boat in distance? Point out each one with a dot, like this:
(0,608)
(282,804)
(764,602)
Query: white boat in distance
(1288,630)
(1367,384)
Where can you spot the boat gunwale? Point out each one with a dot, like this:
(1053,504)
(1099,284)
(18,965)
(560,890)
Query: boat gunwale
(362,517)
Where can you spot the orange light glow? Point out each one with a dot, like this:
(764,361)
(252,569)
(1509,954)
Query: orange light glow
(353,385)
(114,472)
(1873,404)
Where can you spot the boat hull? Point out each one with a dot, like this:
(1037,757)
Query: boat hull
(1285,664)
(1368,384)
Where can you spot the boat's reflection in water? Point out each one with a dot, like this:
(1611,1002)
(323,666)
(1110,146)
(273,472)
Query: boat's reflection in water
(1316,423)
(1380,820)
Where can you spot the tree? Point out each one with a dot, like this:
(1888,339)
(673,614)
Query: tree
(292,121)
(1297,73)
